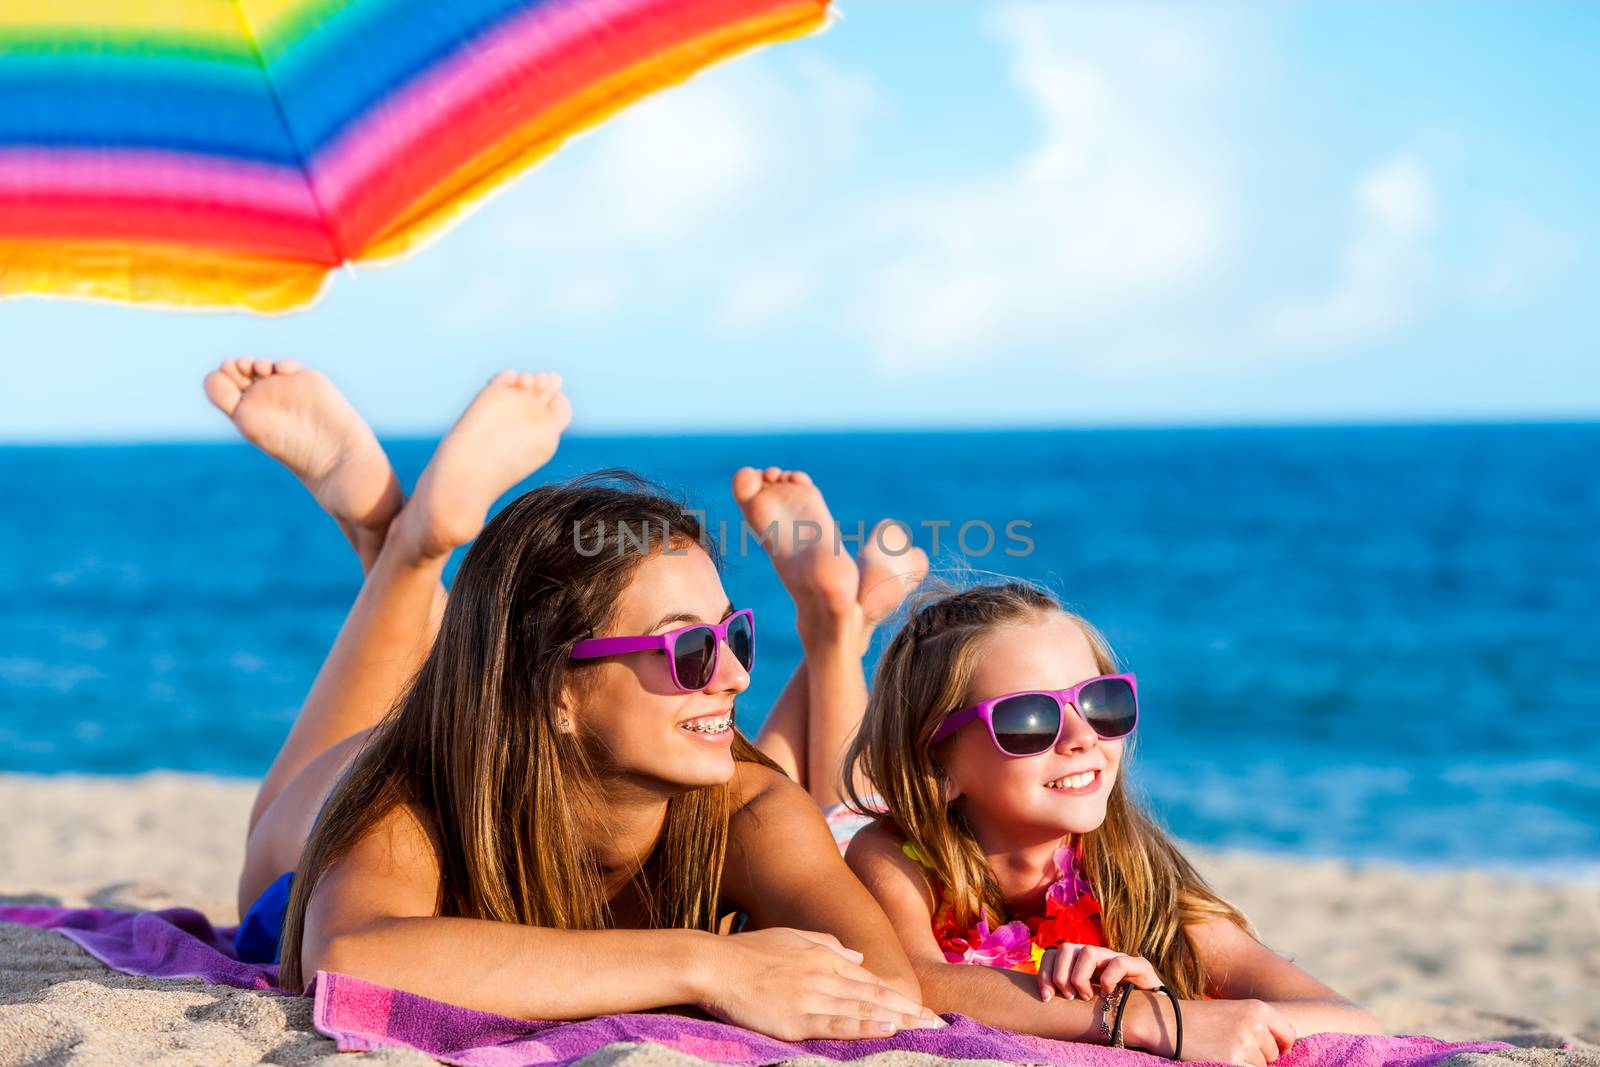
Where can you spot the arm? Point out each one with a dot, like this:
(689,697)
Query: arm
(372,915)
(1246,1032)
(998,997)
(1242,968)
(784,870)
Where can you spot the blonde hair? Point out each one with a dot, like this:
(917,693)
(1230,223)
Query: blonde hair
(1147,890)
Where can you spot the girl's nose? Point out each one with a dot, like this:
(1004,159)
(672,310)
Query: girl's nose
(1076,735)
(731,677)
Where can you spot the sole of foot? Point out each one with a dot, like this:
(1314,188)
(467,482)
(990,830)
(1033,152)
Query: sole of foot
(786,510)
(300,419)
(511,429)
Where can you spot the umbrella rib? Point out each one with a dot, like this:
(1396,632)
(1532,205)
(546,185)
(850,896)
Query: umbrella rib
(288,131)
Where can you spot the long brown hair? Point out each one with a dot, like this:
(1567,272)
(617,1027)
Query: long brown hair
(474,744)
(1147,889)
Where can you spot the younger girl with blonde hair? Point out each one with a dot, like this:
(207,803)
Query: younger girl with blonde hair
(994,753)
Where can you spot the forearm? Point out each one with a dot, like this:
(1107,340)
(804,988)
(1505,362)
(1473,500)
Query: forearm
(1007,999)
(523,971)
(1337,1016)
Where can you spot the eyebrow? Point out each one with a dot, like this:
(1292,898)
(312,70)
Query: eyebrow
(685,617)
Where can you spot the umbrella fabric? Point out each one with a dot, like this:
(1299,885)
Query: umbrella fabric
(232,152)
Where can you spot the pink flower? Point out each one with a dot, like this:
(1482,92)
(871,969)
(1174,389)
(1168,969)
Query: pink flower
(1006,947)
(1066,890)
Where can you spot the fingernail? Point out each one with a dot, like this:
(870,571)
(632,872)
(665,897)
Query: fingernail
(1048,993)
(887,1028)
(934,1023)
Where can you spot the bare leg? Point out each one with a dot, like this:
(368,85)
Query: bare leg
(510,429)
(837,606)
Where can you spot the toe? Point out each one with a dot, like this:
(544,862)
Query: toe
(263,368)
(773,473)
(505,377)
(230,370)
(889,537)
(525,380)
(561,409)
(222,390)
(746,484)
(289,366)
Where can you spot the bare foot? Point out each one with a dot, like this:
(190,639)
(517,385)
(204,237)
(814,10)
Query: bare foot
(786,510)
(297,417)
(510,430)
(891,567)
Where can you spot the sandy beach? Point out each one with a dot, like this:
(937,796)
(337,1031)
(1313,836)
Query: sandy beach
(1457,955)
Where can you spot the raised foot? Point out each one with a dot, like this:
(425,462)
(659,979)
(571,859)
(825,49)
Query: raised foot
(300,419)
(511,429)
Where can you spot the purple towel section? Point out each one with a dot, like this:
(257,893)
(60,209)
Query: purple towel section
(181,943)
(175,943)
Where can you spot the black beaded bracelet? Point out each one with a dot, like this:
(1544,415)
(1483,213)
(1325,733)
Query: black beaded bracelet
(1177,1023)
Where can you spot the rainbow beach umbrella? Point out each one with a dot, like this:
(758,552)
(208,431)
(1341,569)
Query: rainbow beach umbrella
(231,153)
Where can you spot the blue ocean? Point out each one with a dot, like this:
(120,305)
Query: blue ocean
(1373,642)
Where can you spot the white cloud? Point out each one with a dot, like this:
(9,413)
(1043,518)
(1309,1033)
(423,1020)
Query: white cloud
(1125,197)
(1385,268)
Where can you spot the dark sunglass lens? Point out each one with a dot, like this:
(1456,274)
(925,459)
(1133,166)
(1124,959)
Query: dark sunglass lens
(694,656)
(1109,707)
(1027,725)
(742,639)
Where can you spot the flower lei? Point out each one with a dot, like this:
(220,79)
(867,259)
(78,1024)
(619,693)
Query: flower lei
(1071,914)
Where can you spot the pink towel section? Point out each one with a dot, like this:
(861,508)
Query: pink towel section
(361,1016)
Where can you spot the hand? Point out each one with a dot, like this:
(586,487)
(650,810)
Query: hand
(797,984)
(1249,1033)
(1086,971)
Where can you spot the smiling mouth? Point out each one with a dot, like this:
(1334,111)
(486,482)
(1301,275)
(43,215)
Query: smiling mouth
(719,723)
(1074,782)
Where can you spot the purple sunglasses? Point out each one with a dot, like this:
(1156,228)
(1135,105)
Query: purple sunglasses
(692,651)
(1031,722)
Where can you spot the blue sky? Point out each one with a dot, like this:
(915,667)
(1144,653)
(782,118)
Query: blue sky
(956,213)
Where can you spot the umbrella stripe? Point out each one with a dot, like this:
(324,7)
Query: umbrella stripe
(158,272)
(153,102)
(130,217)
(199,179)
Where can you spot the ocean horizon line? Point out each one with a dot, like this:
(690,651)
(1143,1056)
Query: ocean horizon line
(225,435)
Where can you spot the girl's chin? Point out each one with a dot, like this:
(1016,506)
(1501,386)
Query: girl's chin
(710,769)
